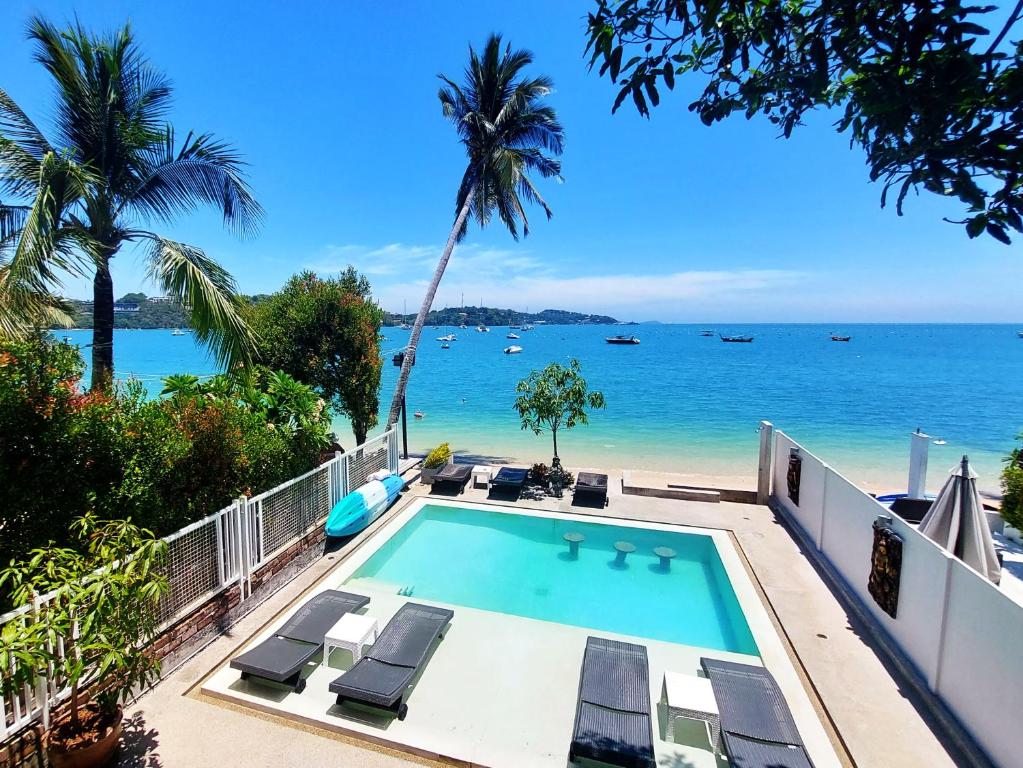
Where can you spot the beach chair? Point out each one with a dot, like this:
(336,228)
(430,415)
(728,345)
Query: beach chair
(382,676)
(282,657)
(453,474)
(757,728)
(591,487)
(509,479)
(612,717)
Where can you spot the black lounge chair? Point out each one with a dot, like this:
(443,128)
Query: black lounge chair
(455,474)
(282,658)
(612,718)
(756,725)
(593,486)
(509,478)
(382,676)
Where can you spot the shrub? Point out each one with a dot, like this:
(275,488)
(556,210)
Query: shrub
(438,457)
(539,474)
(1012,488)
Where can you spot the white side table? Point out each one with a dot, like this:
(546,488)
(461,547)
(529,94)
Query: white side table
(352,631)
(482,474)
(691,697)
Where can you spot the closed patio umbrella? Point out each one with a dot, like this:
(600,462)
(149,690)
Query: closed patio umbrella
(956,521)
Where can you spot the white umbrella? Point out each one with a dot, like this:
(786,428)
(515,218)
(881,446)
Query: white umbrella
(957,522)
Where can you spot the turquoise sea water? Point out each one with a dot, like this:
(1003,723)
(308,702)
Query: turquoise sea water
(682,402)
(520,565)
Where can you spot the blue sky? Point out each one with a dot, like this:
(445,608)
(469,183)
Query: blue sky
(335,107)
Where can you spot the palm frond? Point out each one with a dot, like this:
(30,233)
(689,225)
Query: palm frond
(203,171)
(208,293)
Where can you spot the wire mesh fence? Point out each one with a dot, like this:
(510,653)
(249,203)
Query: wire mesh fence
(210,555)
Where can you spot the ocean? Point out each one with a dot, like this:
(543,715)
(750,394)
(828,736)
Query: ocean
(682,402)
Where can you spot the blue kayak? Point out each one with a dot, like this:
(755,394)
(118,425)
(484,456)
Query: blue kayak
(363,505)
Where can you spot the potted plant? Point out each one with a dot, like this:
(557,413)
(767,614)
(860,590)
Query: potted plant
(101,600)
(433,463)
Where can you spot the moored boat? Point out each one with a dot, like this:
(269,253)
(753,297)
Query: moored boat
(449,337)
(512,350)
(840,338)
(706,333)
(482,329)
(621,340)
(512,336)
(737,339)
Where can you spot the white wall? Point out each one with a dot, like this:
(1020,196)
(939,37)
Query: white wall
(975,665)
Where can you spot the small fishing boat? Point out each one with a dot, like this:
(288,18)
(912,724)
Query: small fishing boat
(406,327)
(449,337)
(706,333)
(737,339)
(512,350)
(512,336)
(515,327)
(621,340)
(419,415)
(363,505)
(482,329)
(527,327)
(445,346)
(1020,334)
(178,332)
(462,326)
(841,338)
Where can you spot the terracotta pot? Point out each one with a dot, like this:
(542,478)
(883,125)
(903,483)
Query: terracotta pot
(95,755)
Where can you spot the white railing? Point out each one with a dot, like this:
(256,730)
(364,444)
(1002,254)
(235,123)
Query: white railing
(959,631)
(211,555)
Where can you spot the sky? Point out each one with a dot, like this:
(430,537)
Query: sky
(334,106)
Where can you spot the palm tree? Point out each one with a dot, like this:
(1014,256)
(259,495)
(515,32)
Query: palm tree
(115,163)
(506,131)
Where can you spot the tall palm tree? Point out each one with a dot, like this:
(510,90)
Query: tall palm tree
(507,132)
(113,165)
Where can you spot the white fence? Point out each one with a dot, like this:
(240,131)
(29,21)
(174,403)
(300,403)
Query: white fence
(209,556)
(960,631)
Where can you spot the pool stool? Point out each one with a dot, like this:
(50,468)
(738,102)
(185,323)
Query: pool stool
(623,548)
(574,539)
(665,554)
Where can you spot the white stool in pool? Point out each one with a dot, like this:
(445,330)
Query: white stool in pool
(352,631)
(691,697)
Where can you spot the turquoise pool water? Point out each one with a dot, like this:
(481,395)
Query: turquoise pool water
(520,564)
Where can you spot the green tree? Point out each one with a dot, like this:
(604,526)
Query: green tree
(1012,488)
(114,165)
(926,90)
(506,131)
(326,333)
(555,398)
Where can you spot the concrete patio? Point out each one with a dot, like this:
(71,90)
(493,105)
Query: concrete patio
(870,720)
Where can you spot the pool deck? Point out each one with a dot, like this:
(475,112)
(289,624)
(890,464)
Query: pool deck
(869,719)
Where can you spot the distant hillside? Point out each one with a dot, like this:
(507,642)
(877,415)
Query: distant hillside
(150,314)
(494,316)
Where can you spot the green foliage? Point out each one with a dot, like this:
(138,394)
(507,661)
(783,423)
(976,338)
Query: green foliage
(105,594)
(555,398)
(325,333)
(927,91)
(114,164)
(438,457)
(164,463)
(472,316)
(1012,488)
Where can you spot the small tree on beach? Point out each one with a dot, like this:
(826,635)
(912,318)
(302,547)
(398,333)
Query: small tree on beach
(507,132)
(555,398)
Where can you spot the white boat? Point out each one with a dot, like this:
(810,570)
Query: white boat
(515,327)
(527,327)
(512,350)
(482,329)
(445,346)
(406,327)
(512,336)
(178,332)
(462,326)
(449,337)
(419,415)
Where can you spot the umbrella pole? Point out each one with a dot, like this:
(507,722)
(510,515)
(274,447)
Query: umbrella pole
(963,501)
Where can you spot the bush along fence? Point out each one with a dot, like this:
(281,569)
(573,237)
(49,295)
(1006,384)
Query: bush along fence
(954,635)
(213,565)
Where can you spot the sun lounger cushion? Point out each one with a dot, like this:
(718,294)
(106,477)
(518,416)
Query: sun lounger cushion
(276,658)
(311,622)
(511,477)
(756,724)
(612,723)
(454,473)
(383,674)
(591,481)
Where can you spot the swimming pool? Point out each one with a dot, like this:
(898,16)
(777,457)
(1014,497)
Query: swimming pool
(521,565)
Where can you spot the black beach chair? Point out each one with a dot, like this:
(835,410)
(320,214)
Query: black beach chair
(453,474)
(381,677)
(591,487)
(612,718)
(756,725)
(282,658)
(510,479)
